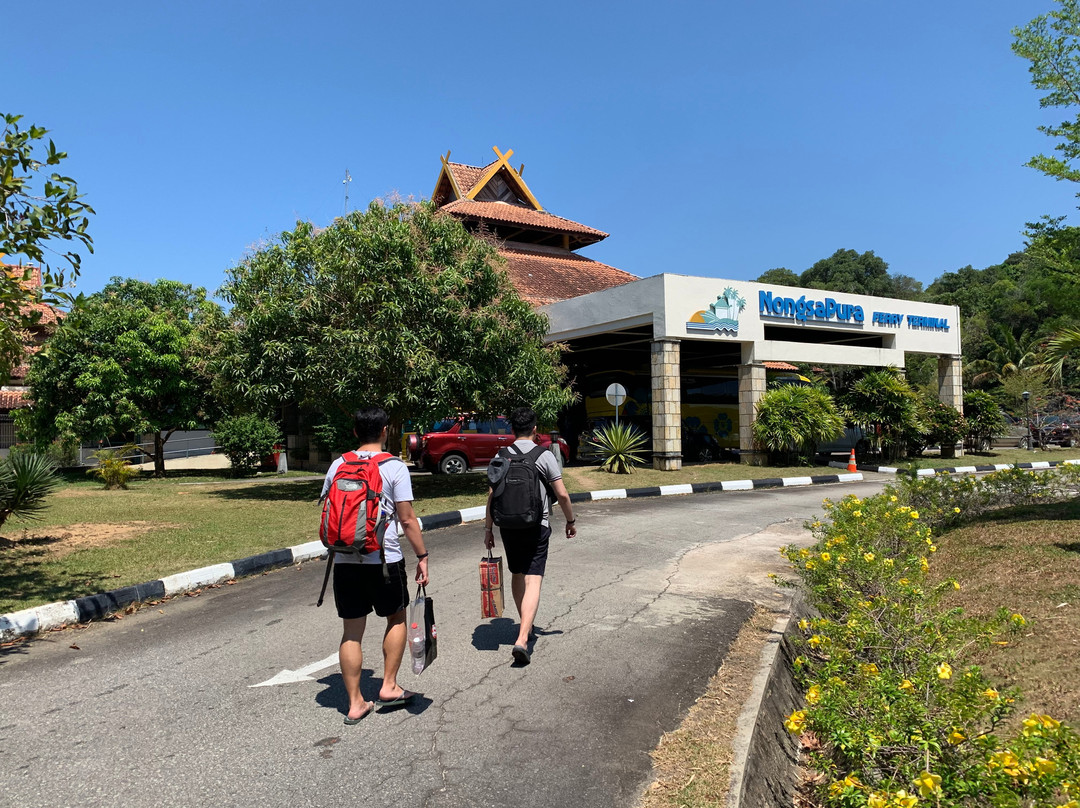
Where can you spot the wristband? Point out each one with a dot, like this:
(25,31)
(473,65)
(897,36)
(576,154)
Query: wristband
(422,556)
(570,521)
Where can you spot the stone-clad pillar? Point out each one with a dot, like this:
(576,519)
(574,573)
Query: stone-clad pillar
(751,389)
(666,405)
(950,374)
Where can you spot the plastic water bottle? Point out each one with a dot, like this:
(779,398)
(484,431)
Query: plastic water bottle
(417,645)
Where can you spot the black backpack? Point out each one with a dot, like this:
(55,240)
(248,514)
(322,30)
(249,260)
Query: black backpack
(515,480)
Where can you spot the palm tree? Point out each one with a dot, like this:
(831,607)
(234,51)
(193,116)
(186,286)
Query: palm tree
(1063,344)
(1008,355)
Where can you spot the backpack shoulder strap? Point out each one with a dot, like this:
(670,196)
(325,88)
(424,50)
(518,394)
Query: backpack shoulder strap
(515,449)
(383,457)
(350,457)
(536,451)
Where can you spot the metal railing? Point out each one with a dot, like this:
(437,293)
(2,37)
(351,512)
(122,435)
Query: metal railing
(175,447)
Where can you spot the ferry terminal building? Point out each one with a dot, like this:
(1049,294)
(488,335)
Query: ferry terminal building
(693,352)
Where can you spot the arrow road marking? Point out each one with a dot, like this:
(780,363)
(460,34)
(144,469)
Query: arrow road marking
(300,674)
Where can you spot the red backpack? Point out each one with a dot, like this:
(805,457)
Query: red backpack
(352,517)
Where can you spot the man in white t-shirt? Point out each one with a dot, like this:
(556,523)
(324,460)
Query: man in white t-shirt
(526,548)
(359,584)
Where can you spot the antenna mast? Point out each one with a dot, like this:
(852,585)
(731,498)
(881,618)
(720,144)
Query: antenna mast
(345,182)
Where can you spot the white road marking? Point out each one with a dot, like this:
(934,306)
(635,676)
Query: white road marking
(300,674)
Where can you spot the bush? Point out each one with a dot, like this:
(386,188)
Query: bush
(941,425)
(619,447)
(885,406)
(113,468)
(245,440)
(902,718)
(984,419)
(791,421)
(26,479)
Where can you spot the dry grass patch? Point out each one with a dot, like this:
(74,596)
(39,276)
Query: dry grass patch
(1027,560)
(62,540)
(692,763)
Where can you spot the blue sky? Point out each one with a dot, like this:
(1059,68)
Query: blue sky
(717,139)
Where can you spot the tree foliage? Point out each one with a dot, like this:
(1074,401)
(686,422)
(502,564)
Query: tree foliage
(885,406)
(127,361)
(1051,43)
(38,208)
(792,420)
(245,440)
(397,305)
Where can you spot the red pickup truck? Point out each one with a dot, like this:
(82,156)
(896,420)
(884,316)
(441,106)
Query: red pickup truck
(459,444)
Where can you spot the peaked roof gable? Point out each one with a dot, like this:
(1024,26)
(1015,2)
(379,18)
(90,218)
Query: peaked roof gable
(498,181)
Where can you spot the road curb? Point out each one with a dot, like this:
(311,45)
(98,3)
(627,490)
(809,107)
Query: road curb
(765,754)
(1033,466)
(94,607)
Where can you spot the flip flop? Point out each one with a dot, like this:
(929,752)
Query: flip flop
(363,715)
(405,697)
(521,655)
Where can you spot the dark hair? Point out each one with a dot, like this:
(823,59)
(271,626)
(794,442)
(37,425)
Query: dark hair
(368,423)
(523,421)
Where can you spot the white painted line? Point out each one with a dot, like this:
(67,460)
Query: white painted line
(473,514)
(1040,464)
(964,470)
(1071,462)
(853,476)
(737,485)
(15,624)
(308,551)
(54,615)
(685,488)
(611,493)
(193,579)
(300,674)
(796,481)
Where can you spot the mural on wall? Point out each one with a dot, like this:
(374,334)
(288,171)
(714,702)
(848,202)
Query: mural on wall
(722,316)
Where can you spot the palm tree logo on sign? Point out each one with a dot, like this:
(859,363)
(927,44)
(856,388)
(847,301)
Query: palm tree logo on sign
(721,316)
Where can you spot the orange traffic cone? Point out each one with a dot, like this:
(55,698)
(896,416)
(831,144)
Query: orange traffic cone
(851,462)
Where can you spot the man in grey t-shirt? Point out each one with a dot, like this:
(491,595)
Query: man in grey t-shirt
(526,548)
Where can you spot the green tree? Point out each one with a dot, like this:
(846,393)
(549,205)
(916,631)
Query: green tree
(781,276)
(984,420)
(859,274)
(128,360)
(397,305)
(38,208)
(1051,43)
(1062,346)
(792,420)
(246,440)
(1008,355)
(885,406)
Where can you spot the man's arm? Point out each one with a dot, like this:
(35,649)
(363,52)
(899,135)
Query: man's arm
(563,497)
(410,526)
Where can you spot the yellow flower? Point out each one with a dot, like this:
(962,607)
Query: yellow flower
(956,510)
(1044,766)
(905,800)
(892,499)
(826,557)
(857,514)
(1049,722)
(813,695)
(924,564)
(1069,804)
(868,556)
(914,514)
(955,584)
(907,685)
(799,661)
(956,737)
(796,721)
(876,800)
(1018,620)
(928,783)
(933,548)
(810,565)
(804,624)
(815,641)
(888,562)
(869,669)
(841,559)
(990,694)
(944,670)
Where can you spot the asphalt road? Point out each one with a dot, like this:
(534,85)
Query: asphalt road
(638,613)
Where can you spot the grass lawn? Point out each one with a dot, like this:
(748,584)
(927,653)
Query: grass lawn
(1027,560)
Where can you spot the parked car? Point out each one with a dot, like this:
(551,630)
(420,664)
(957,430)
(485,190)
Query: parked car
(1048,431)
(458,444)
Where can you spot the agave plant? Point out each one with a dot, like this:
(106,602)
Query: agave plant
(620,446)
(25,480)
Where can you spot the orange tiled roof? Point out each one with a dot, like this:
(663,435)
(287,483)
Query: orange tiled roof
(466,176)
(12,400)
(779,366)
(49,315)
(526,217)
(544,274)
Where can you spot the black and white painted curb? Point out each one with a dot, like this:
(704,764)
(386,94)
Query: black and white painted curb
(95,607)
(1034,465)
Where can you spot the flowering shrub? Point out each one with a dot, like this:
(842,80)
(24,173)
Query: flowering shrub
(903,719)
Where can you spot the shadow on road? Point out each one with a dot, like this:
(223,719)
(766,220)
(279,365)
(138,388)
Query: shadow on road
(334,697)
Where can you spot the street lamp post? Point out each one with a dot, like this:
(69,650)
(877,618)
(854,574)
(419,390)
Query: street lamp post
(1027,417)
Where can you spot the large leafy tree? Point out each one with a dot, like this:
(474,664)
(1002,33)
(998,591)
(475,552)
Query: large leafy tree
(397,305)
(1051,43)
(859,274)
(128,360)
(39,209)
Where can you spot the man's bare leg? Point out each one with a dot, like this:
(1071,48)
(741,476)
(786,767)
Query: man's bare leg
(526,589)
(351,658)
(393,648)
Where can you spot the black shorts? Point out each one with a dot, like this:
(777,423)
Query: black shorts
(526,548)
(359,588)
